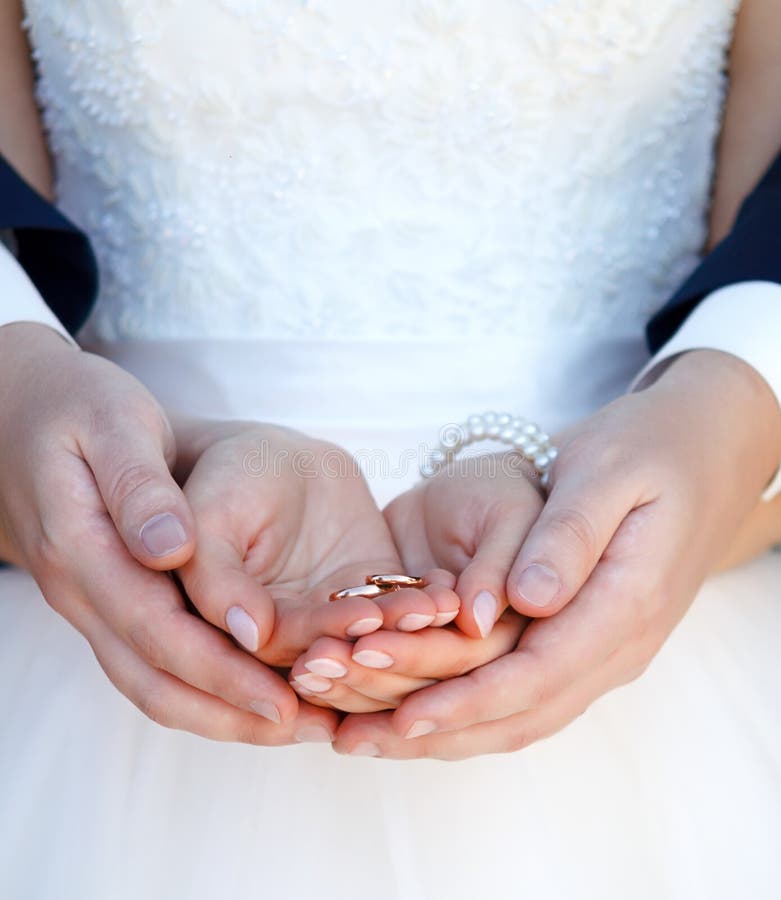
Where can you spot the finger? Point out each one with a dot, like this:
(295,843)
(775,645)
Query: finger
(367,736)
(225,594)
(331,660)
(436,653)
(481,585)
(174,704)
(146,505)
(552,655)
(407,525)
(447,603)
(301,621)
(327,692)
(584,510)
(146,611)
(375,735)
(408,609)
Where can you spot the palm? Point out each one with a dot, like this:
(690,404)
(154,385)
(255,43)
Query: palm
(292,530)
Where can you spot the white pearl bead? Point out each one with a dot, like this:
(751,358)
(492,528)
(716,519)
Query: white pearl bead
(524,436)
(541,461)
(452,437)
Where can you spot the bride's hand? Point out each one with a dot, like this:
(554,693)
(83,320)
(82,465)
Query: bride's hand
(89,507)
(282,520)
(647,496)
(470,519)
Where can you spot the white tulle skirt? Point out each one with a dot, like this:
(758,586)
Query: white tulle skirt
(667,788)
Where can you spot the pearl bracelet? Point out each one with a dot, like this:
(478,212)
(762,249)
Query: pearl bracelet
(528,439)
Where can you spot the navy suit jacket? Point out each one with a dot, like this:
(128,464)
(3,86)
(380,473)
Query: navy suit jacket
(59,260)
(57,256)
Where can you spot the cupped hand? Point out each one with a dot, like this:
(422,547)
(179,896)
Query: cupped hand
(468,522)
(647,496)
(89,506)
(282,521)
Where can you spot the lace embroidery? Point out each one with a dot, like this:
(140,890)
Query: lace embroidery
(284,168)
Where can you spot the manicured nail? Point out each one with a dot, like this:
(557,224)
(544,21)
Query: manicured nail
(538,585)
(414,622)
(484,611)
(328,668)
(373,659)
(419,728)
(442,618)
(266,709)
(163,534)
(365,748)
(315,683)
(242,627)
(314,734)
(363,626)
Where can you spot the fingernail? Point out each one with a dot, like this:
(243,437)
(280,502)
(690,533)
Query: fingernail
(365,748)
(363,626)
(484,611)
(315,683)
(243,628)
(419,728)
(538,585)
(373,659)
(443,618)
(163,534)
(414,622)
(314,734)
(266,709)
(329,668)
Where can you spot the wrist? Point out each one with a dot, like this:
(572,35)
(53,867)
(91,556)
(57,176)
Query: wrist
(716,389)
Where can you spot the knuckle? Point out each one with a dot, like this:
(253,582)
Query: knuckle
(142,638)
(574,527)
(54,560)
(541,688)
(155,706)
(248,732)
(129,482)
(518,739)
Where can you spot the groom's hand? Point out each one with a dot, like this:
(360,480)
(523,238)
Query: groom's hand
(89,507)
(660,482)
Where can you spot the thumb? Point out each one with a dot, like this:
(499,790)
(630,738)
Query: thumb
(566,542)
(146,505)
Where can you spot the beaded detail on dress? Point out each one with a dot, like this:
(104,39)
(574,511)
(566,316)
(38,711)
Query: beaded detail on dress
(283,168)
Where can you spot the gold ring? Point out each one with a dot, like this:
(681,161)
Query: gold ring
(370,591)
(394,582)
(377,586)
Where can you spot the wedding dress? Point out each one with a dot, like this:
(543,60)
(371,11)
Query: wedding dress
(367,220)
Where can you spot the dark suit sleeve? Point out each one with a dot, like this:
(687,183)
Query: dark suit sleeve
(751,252)
(57,256)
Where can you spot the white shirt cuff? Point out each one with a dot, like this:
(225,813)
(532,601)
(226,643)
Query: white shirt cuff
(742,319)
(19,298)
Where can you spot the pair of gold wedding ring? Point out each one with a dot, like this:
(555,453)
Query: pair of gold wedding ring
(377,585)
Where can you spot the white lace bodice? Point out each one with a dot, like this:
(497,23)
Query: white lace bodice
(286,168)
